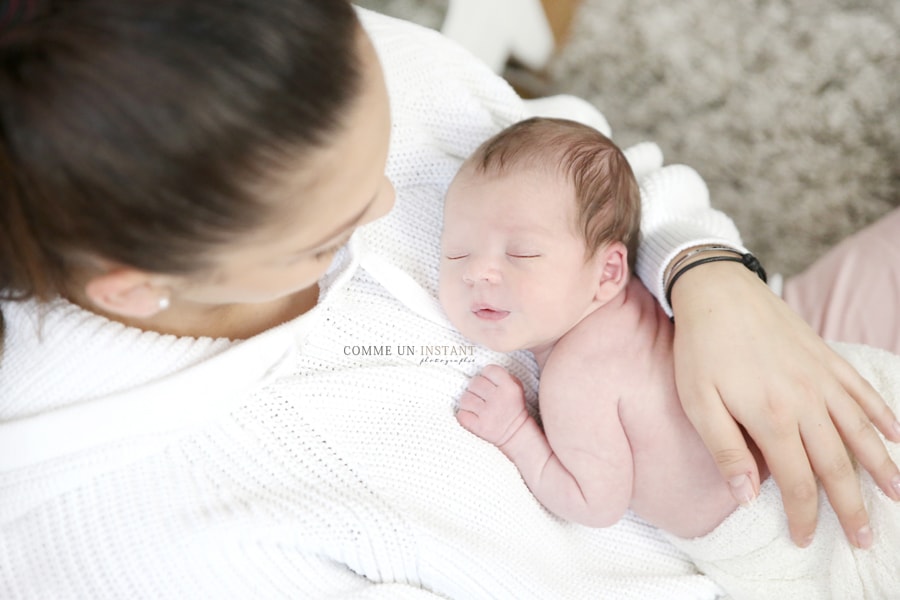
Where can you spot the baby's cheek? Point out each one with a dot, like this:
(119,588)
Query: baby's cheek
(448,296)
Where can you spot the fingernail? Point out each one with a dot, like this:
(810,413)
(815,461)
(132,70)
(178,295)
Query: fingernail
(805,542)
(897,429)
(895,484)
(741,489)
(864,537)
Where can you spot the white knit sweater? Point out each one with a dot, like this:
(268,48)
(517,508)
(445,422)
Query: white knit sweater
(320,459)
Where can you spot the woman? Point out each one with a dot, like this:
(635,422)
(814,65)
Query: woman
(203,396)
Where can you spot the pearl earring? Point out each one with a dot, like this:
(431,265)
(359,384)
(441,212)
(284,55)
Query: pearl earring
(164,303)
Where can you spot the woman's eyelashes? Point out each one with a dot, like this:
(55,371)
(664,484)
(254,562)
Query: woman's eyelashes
(329,251)
(318,255)
(333,248)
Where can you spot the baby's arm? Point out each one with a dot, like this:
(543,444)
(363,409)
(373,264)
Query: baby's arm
(593,487)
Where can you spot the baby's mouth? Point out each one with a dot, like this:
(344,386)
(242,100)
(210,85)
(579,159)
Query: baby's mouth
(488,313)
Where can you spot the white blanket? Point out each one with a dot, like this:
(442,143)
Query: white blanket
(751,555)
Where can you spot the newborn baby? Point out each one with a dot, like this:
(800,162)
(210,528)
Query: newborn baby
(540,232)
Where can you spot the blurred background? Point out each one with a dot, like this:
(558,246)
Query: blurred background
(789,109)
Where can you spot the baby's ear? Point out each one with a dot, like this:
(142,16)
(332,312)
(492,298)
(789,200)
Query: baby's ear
(612,271)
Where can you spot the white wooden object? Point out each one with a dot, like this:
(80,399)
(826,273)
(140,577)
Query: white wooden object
(495,30)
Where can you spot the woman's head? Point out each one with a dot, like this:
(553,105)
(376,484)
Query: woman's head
(170,137)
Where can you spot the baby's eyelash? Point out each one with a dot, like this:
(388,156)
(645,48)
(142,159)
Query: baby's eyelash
(455,256)
(523,255)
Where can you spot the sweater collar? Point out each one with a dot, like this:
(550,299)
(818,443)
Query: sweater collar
(71,379)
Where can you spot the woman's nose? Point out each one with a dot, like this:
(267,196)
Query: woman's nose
(387,195)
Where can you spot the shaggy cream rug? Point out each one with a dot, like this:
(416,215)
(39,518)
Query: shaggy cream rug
(790,109)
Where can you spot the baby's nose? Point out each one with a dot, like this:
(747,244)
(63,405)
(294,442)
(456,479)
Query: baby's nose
(481,269)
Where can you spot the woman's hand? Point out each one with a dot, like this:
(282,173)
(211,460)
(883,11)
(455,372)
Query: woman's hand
(742,355)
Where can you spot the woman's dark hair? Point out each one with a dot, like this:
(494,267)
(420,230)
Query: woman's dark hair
(132,130)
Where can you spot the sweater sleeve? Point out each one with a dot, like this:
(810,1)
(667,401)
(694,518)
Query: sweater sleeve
(676,215)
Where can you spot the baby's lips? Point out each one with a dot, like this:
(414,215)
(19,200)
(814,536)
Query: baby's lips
(488,313)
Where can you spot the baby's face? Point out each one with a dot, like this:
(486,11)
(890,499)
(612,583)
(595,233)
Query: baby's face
(513,270)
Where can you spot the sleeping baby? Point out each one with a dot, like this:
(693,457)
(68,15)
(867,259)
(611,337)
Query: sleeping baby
(540,234)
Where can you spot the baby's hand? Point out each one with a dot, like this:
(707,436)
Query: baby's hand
(493,406)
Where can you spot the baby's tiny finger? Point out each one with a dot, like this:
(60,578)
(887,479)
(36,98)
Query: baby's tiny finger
(481,386)
(470,402)
(468,420)
(497,375)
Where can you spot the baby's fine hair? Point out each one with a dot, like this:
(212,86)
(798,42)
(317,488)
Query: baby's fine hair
(140,131)
(606,193)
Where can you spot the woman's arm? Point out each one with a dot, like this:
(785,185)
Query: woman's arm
(742,355)
(743,358)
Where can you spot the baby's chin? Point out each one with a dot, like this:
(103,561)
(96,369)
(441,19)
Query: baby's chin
(490,342)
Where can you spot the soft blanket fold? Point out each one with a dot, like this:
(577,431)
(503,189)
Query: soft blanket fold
(751,555)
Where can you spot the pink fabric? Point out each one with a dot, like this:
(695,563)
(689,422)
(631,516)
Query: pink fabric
(852,294)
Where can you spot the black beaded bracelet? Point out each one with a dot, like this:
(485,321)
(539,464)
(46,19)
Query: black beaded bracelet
(747,259)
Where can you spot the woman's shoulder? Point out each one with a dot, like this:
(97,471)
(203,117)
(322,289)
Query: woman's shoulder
(436,82)
(56,353)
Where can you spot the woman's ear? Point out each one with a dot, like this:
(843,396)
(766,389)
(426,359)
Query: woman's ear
(612,271)
(127,292)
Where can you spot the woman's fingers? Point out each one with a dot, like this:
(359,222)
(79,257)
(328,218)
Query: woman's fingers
(777,435)
(832,465)
(725,441)
(855,423)
(866,397)
(795,479)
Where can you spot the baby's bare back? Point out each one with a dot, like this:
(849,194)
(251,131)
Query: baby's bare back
(627,345)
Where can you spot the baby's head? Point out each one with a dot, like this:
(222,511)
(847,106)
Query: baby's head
(541,227)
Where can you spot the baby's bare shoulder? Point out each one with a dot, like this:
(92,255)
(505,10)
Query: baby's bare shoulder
(612,333)
(614,345)
(603,361)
